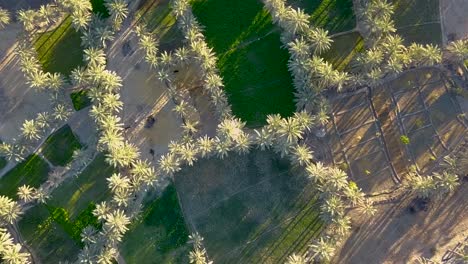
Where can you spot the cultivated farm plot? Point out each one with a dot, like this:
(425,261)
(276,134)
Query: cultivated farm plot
(356,143)
(251,60)
(418,21)
(250,209)
(53,230)
(160,234)
(428,114)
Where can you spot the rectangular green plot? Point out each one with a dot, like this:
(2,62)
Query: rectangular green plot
(251,60)
(60,50)
(75,194)
(160,234)
(332,15)
(33,171)
(59,147)
(343,50)
(423,34)
(415,12)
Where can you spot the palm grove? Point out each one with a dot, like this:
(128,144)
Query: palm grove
(385,57)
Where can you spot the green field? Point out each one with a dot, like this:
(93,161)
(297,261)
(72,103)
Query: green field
(80,100)
(160,235)
(418,21)
(344,49)
(100,8)
(158,18)
(53,229)
(59,147)
(33,172)
(249,209)
(251,61)
(59,50)
(332,15)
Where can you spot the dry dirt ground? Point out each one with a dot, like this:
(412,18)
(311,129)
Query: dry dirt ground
(17,100)
(403,231)
(454,19)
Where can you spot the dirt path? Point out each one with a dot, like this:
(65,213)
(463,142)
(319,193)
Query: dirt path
(402,231)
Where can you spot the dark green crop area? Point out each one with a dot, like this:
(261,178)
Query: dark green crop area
(160,234)
(100,8)
(251,61)
(33,171)
(332,15)
(53,229)
(252,208)
(59,50)
(80,100)
(344,50)
(59,146)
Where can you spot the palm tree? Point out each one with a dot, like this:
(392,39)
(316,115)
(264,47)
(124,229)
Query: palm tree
(223,146)
(264,138)
(38,79)
(321,42)
(117,221)
(190,127)
(296,259)
(6,240)
(107,255)
(13,255)
(290,130)
(205,145)
(88,235)
(459,50)
(110,122)
(331,208)
(323,249)
(148,44)
(317,172)
(302,155)
(298,21)
(299,49)
(61,112)
(41,196)
(370,59)
(169,164)
(26,193)
(27,17)
(118,183)
(10,210)
(337,180)
(446,182)
(80,20)
(122,156)
(45,12)
(78,76)
(182,56)
(101,211)
(354,193)
(121,197)
(188,153)
(198,256)
(342,225)
(30,129)
(366,207)
(113,139)
(304,120)
(118,10)
(213,81)
(112,101)
(4,18)
(56,81)
(94,56)
(423,186)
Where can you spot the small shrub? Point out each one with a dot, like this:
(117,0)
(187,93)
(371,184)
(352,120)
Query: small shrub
(405,140)
(418,123)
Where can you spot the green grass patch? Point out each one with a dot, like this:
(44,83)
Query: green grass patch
(415,12)
(53,230)
(3,163)
(59,50)
(251,61)
(423,34)
(33,172)
(59,146)
(160,234)
(157,17)
(100,8)
(80,100)
(344,49)
(332,15)
(249,208)
(77,193)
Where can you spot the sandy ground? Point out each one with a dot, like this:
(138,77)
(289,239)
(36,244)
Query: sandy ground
(397,235)
(454,19)
(144,96)
(17,100)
